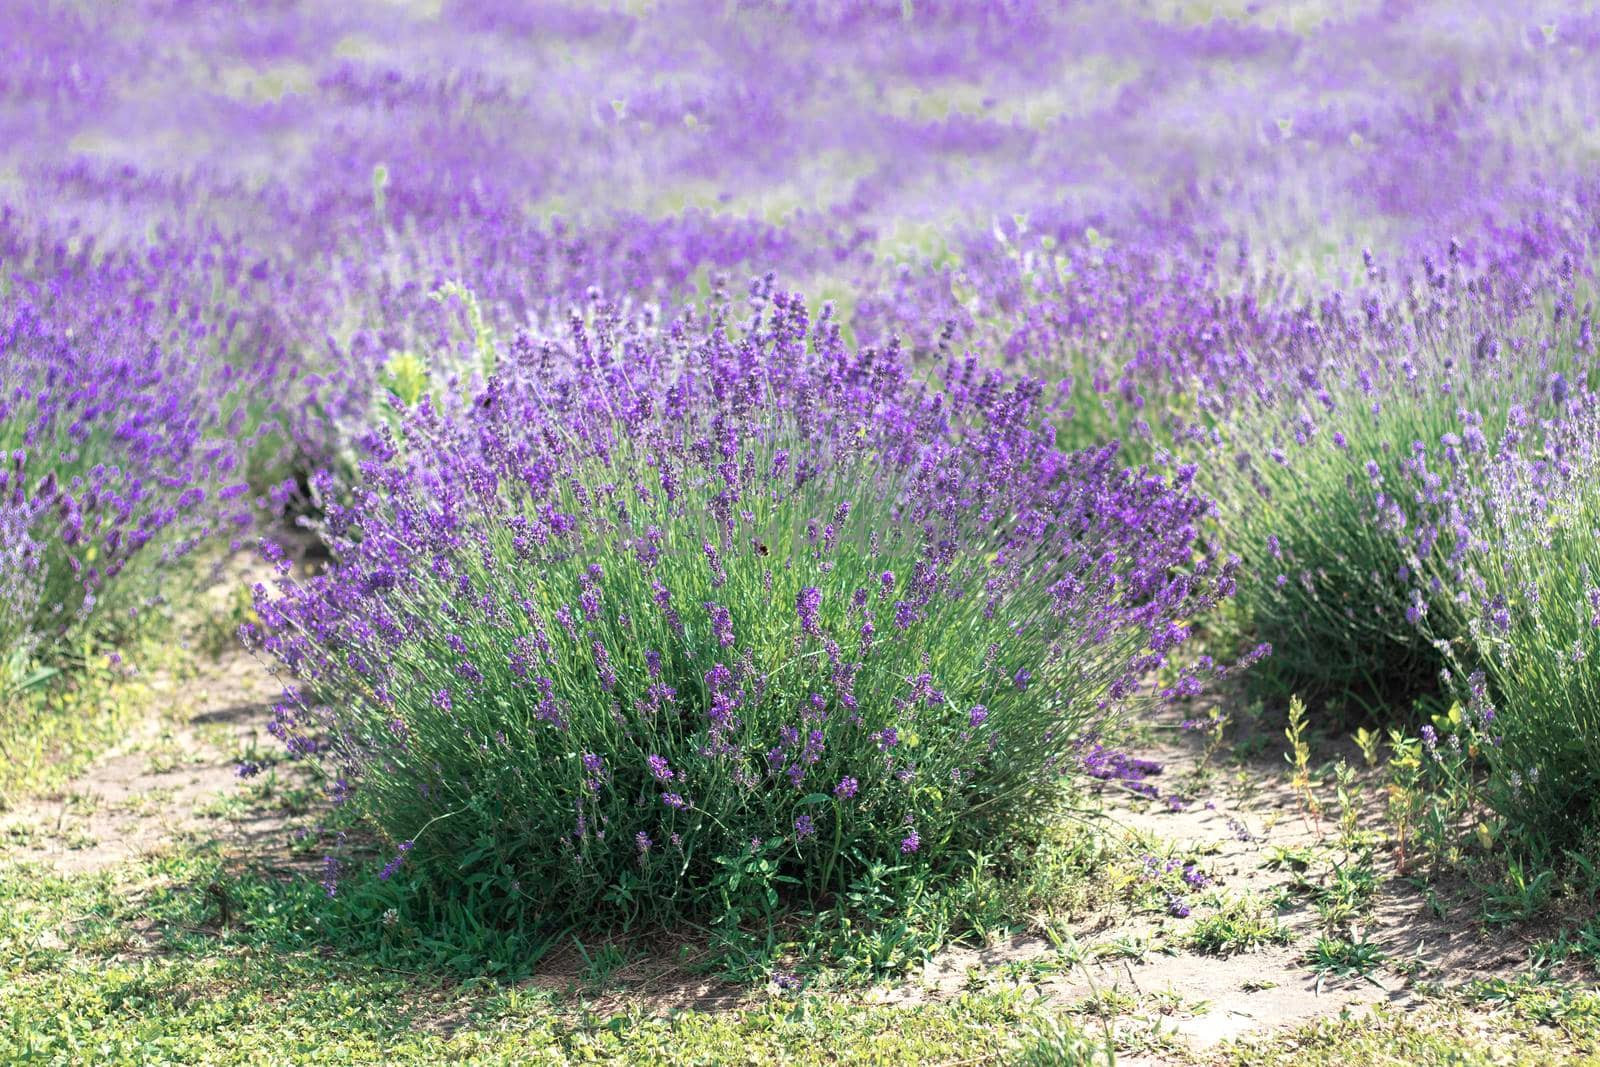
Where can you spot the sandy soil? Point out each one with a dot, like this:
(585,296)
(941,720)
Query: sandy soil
(1186,1001)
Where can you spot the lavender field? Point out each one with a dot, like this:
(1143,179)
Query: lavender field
(803,531)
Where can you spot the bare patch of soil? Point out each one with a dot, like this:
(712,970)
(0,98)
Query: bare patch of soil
(1176,1002)
(174,778)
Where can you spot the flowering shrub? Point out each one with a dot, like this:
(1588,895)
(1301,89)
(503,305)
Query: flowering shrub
(1514,600)
(121,455)
(1301,414)
(1316,487)
(680,621)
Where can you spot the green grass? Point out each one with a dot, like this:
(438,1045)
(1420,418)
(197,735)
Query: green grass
(1532,1027)
(198,896)
(136,966)
(50,732)
(233,1011)
(1239,924)
(258,1007)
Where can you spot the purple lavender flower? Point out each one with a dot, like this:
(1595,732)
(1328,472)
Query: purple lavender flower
(330,875)
(390,868)
(721,623)
(807,603)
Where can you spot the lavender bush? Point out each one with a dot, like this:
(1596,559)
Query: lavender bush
(1513,599)
(1315,472)
(698,619)
(122,456)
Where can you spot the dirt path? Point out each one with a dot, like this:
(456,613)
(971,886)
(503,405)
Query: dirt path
(1175,1001)
(174,778)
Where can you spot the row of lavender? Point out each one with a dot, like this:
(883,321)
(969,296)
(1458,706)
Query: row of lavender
(639,589)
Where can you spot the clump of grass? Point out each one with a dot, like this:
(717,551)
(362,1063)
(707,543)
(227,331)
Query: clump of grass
(1050,1041)
(1337,957)
(1239,924)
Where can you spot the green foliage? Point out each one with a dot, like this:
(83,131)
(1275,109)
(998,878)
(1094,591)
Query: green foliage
(1577,943)
(891,921)
(1337,957)
(1316,489)
(1238,924)
(1053,1042)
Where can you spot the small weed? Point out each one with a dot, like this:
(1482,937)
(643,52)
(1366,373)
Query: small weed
(1170,1002)
(1518,895)
(1347,894)
(1408,968)
(1106,1003)
(1238,925)
(78,839)
(1545,1002)
(1289,857)
(1299,757)
(1335,957)
(1133,947)
(600,965)
(1051,1041)
(1580,942)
